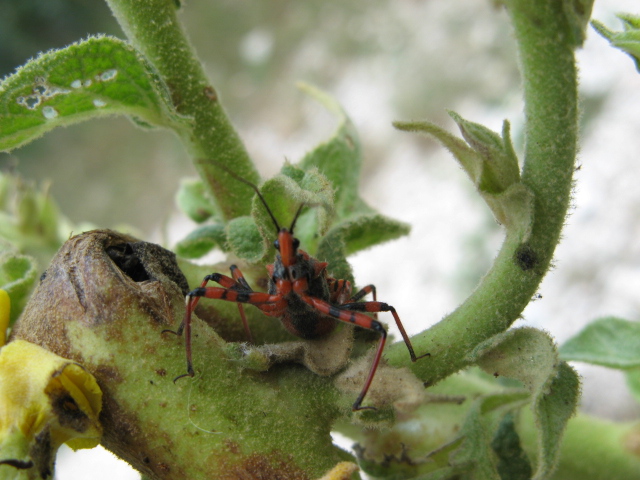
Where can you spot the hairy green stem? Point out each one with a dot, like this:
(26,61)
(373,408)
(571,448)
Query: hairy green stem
(153,28)
(550,92)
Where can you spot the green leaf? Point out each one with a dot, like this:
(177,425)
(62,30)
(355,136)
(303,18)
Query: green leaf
(352,235)
(30,221)
(633,382)
(201,241)
(524,354)
(530,356)
(332,249)
(365,230)
(610,342)
(477,432)
(192,199)
(514,209)
(285,194)
(628,40)
(553,407)
(513,463)
(339,159)
(499,163)
(245,240)
(17,276)
(468,158)
(96,77)
(490,162)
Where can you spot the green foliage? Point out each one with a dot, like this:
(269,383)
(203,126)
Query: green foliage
(491,163)
(193,201)
(577,13)
(512,460)
(506,422)
(530,356)
(335,223)
(17,276)
(96,77)
(609,342)
(628,40)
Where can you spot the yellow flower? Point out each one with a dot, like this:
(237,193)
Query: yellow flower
(45,401)
(342,471)
(5,307)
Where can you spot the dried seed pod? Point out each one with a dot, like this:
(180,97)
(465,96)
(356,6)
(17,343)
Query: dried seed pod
(95,304)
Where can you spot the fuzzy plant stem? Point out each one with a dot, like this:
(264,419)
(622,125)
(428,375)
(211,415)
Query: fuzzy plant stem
(550,93)
(153,28)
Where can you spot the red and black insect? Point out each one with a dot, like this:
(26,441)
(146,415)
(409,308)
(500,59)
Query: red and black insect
(301,293)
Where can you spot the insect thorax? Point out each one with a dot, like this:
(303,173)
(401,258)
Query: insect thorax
(301,319)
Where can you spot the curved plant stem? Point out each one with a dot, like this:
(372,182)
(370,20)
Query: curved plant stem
(550,92)
(153,28)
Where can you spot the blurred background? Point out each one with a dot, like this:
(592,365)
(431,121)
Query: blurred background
(383,60)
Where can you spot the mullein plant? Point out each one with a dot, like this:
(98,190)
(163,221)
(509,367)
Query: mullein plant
(498,401)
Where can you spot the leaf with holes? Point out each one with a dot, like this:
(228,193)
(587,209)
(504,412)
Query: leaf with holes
(93,78)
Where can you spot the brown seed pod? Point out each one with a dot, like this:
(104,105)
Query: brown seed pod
(100,294)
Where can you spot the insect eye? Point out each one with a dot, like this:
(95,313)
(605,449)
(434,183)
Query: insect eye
(296,243)
(276,244)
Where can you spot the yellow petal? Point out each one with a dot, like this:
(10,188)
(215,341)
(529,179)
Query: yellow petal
(5,308)
(342,471)
(42,393)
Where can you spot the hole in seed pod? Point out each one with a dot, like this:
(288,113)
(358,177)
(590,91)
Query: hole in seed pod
(126,259)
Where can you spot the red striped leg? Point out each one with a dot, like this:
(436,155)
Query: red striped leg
(238,282)
(375,307)
(259,299)
(360,320)
(239,278)
(362,292)
(339,290)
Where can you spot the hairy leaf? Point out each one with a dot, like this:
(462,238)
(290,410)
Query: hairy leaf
(96,77)
(513,463)
(193,200)
(338,159)
(610,342)
(201,241)
(17,276)
(530,356)
(628,40)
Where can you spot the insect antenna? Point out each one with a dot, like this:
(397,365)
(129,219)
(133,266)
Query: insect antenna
(295,217)
(255,189)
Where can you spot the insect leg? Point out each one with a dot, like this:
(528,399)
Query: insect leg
(375,307)
(364,291)
(239,278)
(340,290)
(361,320)
(261,300)
(239,283)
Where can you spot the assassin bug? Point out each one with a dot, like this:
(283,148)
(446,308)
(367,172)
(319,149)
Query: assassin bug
(301,293)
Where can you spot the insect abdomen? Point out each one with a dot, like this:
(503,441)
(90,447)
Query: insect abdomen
(303,321)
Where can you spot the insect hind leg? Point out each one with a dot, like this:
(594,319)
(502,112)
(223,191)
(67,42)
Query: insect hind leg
(375,307)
